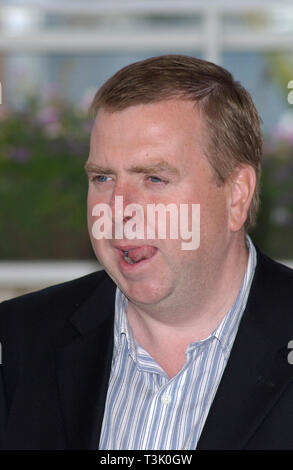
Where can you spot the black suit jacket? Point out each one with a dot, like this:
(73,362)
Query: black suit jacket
(56,360)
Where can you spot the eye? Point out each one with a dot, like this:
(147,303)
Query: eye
(156,179)
(100,178)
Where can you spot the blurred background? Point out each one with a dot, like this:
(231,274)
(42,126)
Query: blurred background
(53,57)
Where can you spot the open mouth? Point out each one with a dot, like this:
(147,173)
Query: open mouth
(126,258)
(137,254)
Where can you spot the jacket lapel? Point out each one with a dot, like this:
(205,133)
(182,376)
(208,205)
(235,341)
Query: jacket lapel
(258,370)
(83,365)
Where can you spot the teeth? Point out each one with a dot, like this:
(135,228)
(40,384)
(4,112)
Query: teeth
(126,257)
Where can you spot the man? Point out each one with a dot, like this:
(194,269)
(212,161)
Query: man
(168,348)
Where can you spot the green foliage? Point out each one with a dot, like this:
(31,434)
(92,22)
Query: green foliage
(42,182)
(274,230)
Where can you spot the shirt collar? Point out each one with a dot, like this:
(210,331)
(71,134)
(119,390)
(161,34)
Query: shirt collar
(225,332)
(122,328)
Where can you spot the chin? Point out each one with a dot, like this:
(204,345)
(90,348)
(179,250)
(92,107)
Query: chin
(144,293)
(141,287)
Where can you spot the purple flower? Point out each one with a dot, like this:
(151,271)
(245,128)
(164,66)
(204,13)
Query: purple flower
(20,154)
(47,116)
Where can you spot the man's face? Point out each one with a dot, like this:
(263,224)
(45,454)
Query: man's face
(151,154)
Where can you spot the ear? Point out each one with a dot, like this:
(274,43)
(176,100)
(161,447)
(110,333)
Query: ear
(242,187)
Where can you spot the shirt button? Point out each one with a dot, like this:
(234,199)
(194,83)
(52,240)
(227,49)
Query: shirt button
(166,399)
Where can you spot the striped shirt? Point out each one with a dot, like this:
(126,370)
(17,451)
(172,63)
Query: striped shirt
(145,409)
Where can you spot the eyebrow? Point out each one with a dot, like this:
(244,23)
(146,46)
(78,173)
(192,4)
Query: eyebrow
(154,168)
(92,168)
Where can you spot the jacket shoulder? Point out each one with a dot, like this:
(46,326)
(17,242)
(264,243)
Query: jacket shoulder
(45,311)
(270,301)
(273,271)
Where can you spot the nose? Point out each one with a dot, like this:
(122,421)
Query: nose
(124,194)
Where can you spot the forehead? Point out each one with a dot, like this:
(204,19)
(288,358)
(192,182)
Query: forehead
(160,129)
(176,116)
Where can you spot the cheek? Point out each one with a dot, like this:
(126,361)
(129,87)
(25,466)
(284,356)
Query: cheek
(92,201)
(214,217)
(90,222)
(93,196)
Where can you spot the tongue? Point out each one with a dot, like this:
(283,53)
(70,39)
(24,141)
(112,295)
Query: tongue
(140,253)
